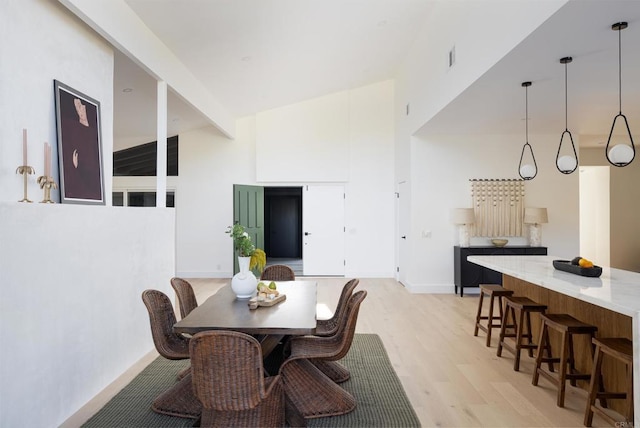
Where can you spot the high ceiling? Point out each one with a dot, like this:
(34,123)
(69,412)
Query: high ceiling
(256,55)
(495,103)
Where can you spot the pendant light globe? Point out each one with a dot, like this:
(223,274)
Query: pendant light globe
(620,154)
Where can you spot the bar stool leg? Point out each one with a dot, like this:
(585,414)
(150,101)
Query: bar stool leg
(518,347)
(594,386)
(542,344)
(503,331)
(572,362)
(479,314)
(490,320)
(547,349)
(564,360)
(529,335)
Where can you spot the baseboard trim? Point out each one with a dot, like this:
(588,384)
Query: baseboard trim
(436,289)
(204,275)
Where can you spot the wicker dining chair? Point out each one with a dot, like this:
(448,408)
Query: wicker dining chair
(186,296)
(310,391)
(336,371)
(278,273)
(329,327)
(229,381)
(179,399)
(170,345)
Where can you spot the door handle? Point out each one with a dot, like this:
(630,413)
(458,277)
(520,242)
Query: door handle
(307,233)
(404,237)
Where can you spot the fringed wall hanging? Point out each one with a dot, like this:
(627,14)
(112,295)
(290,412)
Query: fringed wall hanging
(498,206)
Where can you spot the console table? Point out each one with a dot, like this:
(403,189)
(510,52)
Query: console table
(468,274)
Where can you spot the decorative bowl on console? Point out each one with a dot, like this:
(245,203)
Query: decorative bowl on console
(499,242)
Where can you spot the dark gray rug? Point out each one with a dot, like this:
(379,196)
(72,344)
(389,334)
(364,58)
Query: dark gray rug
(382,401)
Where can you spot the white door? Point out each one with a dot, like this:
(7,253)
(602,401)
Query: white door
(323,230)
(402,217)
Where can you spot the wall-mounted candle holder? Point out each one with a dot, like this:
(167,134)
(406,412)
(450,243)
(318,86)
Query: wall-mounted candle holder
(25,170)
(46,183)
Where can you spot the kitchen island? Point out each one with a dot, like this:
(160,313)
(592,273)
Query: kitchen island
(611,302)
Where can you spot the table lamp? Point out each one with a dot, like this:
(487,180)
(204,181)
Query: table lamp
(463,217)
(535,217)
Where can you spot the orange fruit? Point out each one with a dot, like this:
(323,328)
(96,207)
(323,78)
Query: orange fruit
(585,263)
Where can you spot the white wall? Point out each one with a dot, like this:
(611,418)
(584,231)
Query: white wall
(71,317)
(49,43)
(624,194)
(442,167)
(595,228)
(210,164)
(293,141)
(483,33)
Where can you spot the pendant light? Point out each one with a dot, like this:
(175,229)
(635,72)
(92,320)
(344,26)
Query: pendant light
(620,154)
(527,171)
(566,164)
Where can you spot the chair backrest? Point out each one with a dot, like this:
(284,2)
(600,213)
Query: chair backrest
(330,348)
(186,296)
(162,318)
(278,273)
(331,325)
(347,325)
(227,370)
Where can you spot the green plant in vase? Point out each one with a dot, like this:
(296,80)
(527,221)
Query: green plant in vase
(245,248)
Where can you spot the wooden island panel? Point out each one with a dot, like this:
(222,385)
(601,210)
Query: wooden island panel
(609,323)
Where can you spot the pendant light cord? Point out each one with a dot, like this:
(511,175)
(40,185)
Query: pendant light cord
(620,69)
(566,100)
(526,113)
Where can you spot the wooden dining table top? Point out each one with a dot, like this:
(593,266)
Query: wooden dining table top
(296,315)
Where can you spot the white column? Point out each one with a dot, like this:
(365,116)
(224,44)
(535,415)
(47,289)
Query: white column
(161,166)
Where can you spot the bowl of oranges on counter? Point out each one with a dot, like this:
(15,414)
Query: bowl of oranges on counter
(579,266)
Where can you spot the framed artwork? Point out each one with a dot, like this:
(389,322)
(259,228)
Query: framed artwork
(79,146)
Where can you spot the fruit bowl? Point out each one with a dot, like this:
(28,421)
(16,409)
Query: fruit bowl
(499,242)
(567,266)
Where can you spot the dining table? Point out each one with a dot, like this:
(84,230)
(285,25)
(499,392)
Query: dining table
(294,316)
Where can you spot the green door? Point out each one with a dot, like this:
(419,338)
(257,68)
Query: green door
(248,210)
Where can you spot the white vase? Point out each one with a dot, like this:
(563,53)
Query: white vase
(244,282)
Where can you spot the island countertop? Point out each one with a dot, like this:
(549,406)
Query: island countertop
(617,290)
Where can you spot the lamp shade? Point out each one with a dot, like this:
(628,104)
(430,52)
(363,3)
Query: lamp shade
(535,215)
(463,216)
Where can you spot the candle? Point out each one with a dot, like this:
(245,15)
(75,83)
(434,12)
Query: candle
(24,146)
(47,162)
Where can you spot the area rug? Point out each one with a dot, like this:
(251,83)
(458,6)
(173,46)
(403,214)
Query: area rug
(381,400)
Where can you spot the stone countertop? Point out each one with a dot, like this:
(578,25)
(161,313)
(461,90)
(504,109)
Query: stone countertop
(617,290)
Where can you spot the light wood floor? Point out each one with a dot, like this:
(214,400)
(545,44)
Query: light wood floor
(450,376)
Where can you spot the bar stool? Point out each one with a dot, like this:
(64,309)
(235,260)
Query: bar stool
(567,326)
(523,307)
(621,350)
(493,291)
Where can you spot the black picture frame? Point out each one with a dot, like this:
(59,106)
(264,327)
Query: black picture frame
(79,146)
